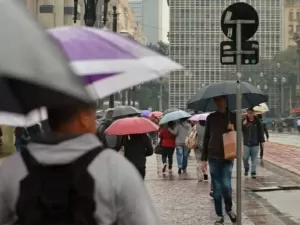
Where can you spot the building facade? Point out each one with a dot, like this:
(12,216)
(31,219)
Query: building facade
(149,16)
(55,13)
(291,21)
(195,36)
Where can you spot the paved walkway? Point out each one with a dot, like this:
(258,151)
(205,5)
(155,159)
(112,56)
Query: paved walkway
(180,199)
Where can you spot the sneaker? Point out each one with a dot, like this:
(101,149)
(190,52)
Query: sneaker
(205,177)
(232,216)
(164,167)
(170,169)
(179,171)
(246,173)
(184,170)
(253,175)
(219,221)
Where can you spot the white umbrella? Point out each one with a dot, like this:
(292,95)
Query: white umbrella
(262,108)
(18,120)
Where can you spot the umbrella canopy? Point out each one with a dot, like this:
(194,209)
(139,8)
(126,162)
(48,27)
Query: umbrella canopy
(199,117)
(18,120)
(131,125)
(146,113)
(173,116)
(125,111)
(33,72)
(169,111)
(262,108)
(156,114)
(108,61)
(203,99)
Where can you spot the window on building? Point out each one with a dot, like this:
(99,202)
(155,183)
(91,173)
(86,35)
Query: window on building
(291,29)
(298,15)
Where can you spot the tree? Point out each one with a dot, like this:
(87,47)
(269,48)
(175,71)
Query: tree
(149,92)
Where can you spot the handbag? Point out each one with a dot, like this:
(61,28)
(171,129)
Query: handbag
(158,149)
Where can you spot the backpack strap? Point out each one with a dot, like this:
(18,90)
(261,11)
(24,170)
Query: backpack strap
(30,162)
(84,160)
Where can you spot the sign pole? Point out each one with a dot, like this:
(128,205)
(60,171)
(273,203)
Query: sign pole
(238,123)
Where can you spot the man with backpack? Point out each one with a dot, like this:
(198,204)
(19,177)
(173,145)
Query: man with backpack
(68,178)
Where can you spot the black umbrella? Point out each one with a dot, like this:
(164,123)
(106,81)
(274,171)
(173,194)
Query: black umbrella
(203,99)
(33,71)
(125,111)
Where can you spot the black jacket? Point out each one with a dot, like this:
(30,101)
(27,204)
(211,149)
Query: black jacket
(137,147)
(216,126)
(253,133)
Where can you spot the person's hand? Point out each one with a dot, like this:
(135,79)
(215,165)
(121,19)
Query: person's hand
(267,139)
(203,165)
(245,122)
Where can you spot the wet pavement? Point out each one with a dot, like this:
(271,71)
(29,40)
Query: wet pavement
(180,199)
(285,138)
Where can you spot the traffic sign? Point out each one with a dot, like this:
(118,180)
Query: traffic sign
(239,11)
(250,53)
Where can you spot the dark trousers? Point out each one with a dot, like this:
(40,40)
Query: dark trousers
(261,150)
(167,153)
(142,171)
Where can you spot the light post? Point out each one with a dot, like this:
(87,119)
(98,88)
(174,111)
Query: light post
(275,96)
(283,81)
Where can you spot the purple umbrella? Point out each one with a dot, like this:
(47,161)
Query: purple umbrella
(108,61)
(146,113)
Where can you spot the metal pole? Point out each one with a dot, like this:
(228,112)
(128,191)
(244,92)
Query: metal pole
(282,98)
(90,13)
(238,124)
(133,95)
(115,29)
(160,94)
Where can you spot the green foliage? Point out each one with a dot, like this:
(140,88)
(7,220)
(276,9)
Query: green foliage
(148,93)
(288,60)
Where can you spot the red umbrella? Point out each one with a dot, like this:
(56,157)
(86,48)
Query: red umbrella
(131,125)
(156,114)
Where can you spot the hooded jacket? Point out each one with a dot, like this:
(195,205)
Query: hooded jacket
(180,132)
(120,194)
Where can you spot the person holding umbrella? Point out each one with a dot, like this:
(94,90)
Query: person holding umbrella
(253,136)
(181,131)
(168,146)
(135,141)
(217,124)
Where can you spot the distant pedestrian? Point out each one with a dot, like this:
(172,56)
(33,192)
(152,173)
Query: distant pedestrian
(298,125)
(136,148)
(217,124)
(200,128)
(265,131)
(167,142)
(253,136)
(180,132)
(21,138)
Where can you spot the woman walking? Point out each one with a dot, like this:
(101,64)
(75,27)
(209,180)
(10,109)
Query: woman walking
(167,142)
(180,132)
(136,148)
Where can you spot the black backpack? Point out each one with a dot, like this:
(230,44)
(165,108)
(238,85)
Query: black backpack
(57,194)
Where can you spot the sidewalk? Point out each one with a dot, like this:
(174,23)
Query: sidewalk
(180,199)
(284,156)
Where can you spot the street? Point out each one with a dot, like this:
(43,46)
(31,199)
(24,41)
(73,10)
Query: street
(285,138)
(182,200)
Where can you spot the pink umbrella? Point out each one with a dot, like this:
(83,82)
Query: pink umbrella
(199,117)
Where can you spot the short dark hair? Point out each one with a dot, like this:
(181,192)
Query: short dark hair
(58,116)
(250,109)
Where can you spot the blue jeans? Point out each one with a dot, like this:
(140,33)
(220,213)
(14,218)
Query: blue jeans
(250,152)
(182,154)
(221,172)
